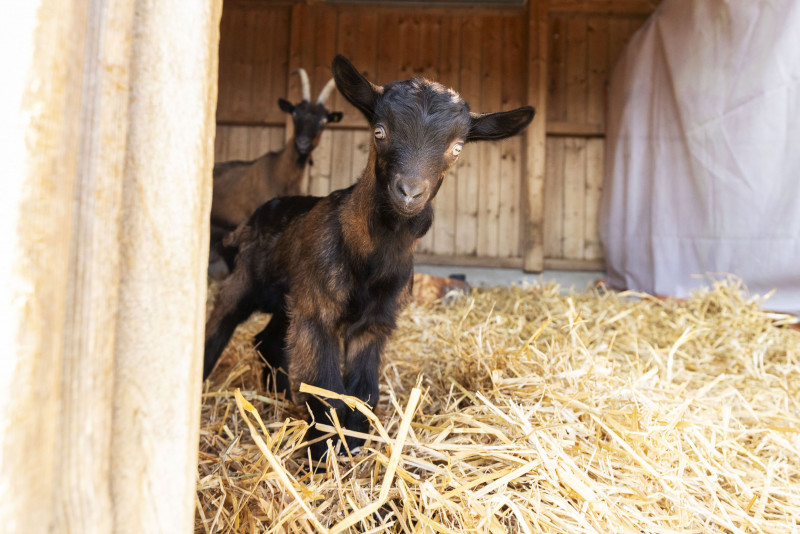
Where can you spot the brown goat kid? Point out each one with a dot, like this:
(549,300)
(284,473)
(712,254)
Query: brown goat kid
(333,271)
(240,187)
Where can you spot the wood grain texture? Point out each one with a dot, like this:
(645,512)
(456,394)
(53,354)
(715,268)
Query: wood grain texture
(536,137)
(104,271)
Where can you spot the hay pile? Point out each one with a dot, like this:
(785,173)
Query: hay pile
(523,410)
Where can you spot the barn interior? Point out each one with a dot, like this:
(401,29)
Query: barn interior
(552,404)
(539,402)
(529,203)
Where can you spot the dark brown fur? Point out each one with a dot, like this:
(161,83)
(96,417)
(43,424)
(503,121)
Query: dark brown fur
(333,271)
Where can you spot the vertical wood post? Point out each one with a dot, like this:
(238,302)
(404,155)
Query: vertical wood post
(535,137)
(166,202)
(108,155)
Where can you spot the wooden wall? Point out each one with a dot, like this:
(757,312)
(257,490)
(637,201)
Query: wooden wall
(583,46)
(481,52)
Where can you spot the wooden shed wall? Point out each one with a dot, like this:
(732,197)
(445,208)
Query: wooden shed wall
(481,52)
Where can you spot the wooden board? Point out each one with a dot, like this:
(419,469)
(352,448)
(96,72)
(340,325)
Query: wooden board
(585,45)
(535,138)
(468,166)
(254,44)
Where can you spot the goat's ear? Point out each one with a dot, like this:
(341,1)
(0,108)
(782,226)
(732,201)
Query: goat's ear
(285,105)
(494,126)
(335,116)
(359,91)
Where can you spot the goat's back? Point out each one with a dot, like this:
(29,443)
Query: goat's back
(240,187)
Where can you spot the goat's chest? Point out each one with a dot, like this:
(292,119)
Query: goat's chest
(375,295)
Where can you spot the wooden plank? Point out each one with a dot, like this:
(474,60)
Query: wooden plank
(535,137)
(240,98)
(619,7)
(409,46)
(348,44)
(258,141)
(367,56)
(489,179)
(277,138)
(575,129)
(597,63)
(362,141)
(557,264)
(324,38)
(468,162)
(238,143)
(300,56)
(574,197)
(554,199)
(444,226)
(576,70)
(221,140)
(556,69)
(513,64)
(467,261)
(225,63)
(510,222)
(279,64)
(388,47)
(342,162)
(319,174)
(429,39)
(594,186)
(391,8)
(262,24)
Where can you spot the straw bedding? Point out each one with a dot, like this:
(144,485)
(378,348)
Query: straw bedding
(525,410)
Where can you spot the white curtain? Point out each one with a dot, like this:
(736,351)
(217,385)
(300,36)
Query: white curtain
(703,151)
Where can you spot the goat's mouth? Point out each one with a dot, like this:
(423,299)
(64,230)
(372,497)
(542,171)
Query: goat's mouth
(303,146)
(408,207)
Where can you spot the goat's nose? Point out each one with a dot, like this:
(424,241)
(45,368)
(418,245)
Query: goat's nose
(411,189)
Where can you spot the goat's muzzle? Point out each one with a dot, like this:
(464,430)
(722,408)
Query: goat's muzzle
(304,145)
(409,195)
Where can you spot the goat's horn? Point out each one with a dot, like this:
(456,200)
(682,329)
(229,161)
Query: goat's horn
(304,85)
(326,91)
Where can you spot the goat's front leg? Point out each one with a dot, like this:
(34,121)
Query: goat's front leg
(362,364)
(233,306)
(313,351)
(271,343)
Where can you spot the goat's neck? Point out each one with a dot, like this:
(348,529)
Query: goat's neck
(369,225)
(289,164)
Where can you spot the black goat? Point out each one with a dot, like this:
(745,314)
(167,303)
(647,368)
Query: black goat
(333,271)
(240,187)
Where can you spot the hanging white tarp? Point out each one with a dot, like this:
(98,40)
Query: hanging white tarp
(703,151)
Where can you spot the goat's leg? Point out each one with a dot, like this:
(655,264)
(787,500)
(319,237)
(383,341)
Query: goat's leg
(313,351)
(361,377)
(233,306)
(271,343)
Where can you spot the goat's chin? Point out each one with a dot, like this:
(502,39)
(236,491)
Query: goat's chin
(405,211)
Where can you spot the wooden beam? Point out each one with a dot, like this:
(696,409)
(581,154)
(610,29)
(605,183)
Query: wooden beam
(549,264)
(557,264)
(601,7)
(468,261)
(536,137)
(575,129)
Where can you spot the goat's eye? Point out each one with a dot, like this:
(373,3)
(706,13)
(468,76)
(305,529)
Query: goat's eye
(380,133)
(456,150)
